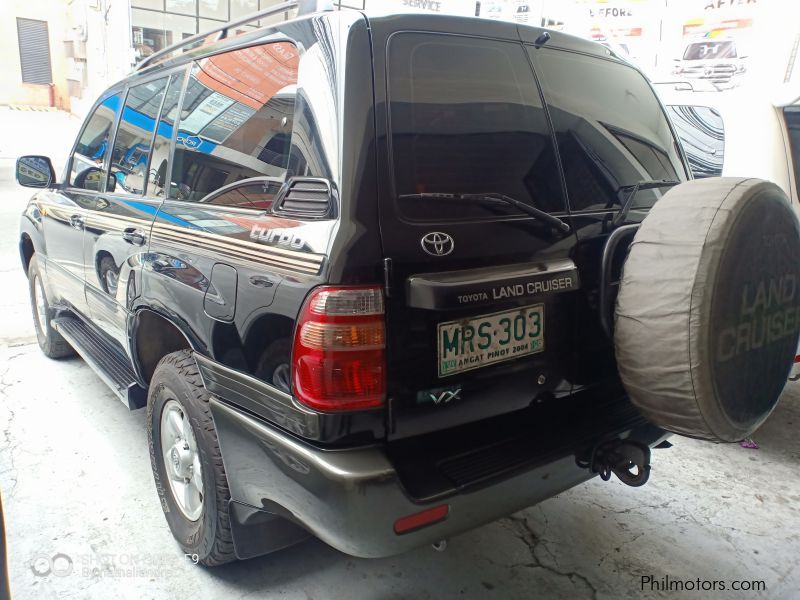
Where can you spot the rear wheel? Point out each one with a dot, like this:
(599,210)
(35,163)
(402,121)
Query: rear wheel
(50,341)
(186,461)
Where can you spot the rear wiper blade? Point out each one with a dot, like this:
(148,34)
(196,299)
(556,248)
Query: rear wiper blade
(634,189)
(562,226)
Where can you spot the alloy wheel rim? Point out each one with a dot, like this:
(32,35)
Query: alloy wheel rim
(41,305)
(181,460)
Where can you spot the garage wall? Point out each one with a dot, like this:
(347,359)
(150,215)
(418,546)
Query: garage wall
(12,89)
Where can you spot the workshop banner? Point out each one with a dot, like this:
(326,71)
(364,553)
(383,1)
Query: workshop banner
(716,43)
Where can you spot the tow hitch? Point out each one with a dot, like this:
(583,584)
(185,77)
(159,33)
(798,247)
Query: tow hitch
(627,459)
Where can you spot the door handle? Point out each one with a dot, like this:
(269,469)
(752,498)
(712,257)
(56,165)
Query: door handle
(76,222)
(134,236)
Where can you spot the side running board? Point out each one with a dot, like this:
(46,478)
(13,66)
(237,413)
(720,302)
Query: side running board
(110,364)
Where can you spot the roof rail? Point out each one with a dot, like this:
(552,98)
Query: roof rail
(267,12)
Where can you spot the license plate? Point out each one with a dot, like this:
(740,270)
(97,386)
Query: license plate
(474,343)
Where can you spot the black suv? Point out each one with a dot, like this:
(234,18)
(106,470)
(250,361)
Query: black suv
(338,261)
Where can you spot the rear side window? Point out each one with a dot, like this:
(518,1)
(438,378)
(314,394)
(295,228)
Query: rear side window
(466,117)
(610,127)
(88,160)
(702,135)
(236,123)
(132,145)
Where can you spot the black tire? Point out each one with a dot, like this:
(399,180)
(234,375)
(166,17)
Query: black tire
(209,537)
(273,366)
(50,341)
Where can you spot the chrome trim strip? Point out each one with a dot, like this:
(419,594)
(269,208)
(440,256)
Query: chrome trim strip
(259,261)
(255,245)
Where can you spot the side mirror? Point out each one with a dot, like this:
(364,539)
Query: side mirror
(112,182)
(35,171)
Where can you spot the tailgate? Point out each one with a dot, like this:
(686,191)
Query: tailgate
(480,294)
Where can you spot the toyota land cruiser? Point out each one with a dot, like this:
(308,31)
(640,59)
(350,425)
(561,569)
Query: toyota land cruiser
(361,271)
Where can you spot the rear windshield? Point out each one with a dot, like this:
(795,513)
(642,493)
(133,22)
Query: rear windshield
(466,117)
(709,50)
(702,135)
(612,132)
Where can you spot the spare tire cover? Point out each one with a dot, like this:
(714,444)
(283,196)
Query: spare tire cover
(708,309)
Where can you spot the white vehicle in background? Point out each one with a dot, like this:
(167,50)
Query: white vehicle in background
(739,133)
(716,60)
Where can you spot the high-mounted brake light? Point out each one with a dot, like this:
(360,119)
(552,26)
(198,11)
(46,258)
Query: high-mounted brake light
(338,360)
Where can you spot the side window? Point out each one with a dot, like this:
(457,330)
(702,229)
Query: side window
(702,135)
(466,117)
(236,124)
(131,154)
(611,130)
(88,160)
(166,123)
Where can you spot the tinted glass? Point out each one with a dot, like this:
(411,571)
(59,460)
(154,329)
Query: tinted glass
(166,123)
(702,135)
(610,128)
(132,145)
(792,115)
(236,120)
(466,117)
(88,160)
(251,193)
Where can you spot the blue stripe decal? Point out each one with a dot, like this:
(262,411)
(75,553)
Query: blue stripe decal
(152,210)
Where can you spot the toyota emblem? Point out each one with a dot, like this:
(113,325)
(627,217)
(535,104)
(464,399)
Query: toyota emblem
(437,243)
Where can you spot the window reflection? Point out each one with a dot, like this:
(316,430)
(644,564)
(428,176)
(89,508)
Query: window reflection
(466,118)
(89,157)
(236,120)
(130,158)
(609,136)
(169,114)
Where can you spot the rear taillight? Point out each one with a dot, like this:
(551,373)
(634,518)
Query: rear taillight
(338,355)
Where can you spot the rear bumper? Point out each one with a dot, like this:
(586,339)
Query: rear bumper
(351,498)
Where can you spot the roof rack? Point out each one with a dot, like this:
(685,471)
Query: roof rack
(267,12)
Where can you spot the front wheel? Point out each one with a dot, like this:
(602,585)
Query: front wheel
(186,461)
(50,341)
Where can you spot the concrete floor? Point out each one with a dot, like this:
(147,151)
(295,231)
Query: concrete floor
(79,501)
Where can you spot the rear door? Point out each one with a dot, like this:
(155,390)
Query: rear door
(65,213)
(480,293)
